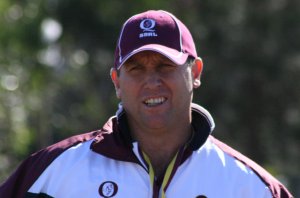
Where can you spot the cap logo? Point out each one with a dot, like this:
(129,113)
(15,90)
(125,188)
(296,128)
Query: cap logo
(147,25)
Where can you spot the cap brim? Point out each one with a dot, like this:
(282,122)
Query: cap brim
(178,58)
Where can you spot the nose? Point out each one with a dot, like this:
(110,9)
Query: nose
(153,80)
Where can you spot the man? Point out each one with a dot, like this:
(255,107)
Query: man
(159,142)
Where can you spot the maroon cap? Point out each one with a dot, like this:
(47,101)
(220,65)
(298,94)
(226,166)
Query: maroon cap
(158,31)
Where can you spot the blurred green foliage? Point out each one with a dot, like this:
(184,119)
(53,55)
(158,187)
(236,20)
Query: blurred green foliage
(55,57)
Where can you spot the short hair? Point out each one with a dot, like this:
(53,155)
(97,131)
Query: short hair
(190,61)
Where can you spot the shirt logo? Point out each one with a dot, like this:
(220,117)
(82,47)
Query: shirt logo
(201,196)
(147,25)
(108,189)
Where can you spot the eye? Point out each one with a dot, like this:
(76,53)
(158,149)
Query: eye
(134,68)
(167,67)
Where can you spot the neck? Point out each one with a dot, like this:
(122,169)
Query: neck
(162,145)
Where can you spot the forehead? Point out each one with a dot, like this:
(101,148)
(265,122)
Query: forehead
(146,56)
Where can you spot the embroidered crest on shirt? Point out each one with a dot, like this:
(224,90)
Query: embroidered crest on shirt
(108,189)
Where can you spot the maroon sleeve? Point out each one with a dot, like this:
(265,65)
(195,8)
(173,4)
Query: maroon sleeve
(30,169)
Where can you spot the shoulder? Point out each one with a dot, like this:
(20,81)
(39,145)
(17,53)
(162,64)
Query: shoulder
(31,168)
(47,155)
(245,165)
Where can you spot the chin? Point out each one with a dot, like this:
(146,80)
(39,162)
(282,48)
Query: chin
(157,123)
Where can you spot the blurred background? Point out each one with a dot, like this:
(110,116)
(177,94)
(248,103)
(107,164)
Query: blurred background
(55,57)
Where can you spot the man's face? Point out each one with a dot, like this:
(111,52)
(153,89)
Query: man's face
(155,92)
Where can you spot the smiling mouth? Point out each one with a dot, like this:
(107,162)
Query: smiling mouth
(151,102)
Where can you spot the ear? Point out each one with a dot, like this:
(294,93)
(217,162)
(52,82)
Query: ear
(115,80)
(197,71)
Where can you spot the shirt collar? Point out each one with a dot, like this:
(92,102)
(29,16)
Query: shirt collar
(202,122)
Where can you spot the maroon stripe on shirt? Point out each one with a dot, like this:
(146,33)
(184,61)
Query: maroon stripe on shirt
(276,188)
(27,173)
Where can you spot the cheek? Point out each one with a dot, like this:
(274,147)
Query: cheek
(188,81)
(126,90)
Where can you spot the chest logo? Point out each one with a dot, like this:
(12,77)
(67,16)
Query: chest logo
(108,189)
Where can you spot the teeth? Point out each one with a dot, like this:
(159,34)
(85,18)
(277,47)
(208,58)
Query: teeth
(155,101)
